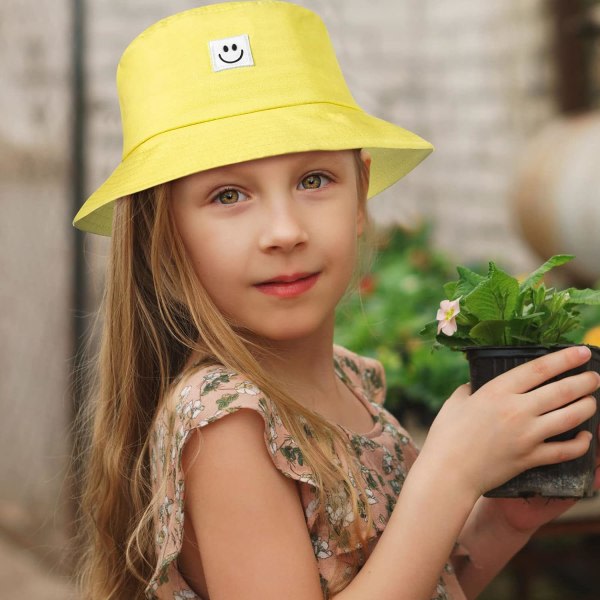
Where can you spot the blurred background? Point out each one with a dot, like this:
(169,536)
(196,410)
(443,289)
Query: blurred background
(509,94)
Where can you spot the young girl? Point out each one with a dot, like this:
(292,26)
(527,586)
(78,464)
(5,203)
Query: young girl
(235,452)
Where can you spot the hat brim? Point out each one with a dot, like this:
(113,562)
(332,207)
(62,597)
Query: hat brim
(200,146)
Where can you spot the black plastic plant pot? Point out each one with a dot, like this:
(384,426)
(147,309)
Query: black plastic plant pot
(571,479)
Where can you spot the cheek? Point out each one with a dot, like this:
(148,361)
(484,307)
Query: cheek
(201,246)
(341,241)
(354,227)
(346,229)
(209,256)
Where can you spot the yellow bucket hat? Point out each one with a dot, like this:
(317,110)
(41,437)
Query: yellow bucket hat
(232,82)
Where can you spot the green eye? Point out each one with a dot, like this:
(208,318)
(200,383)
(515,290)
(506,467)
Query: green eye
(311,182)
(228,196)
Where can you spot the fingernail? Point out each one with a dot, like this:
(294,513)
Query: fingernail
(589,436)
(584,351)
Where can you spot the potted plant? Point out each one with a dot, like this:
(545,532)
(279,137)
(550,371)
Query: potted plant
(500,323)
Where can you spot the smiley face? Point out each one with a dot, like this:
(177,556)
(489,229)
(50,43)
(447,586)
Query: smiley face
(234,50)
(231,53)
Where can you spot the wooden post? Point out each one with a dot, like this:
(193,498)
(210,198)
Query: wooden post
(572,68)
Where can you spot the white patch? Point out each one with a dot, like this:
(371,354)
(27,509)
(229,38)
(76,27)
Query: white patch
(231,53)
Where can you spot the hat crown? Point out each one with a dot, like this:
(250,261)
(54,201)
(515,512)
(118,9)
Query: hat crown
(166,79)
(234,82)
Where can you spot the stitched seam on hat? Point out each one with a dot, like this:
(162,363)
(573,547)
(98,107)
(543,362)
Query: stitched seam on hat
(358,109)
(210,9)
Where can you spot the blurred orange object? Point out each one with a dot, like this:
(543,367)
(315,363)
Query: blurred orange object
(367,285)
(592,336)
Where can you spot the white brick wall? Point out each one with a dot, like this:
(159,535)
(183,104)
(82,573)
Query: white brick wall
(473,78)
(35,270)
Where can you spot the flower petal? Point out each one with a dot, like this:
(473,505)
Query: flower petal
(445,305)
(456,306)
(450,327)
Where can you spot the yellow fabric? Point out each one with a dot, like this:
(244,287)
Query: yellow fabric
(179,116)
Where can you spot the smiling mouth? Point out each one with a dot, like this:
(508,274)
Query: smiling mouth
(229,62)
(288,286)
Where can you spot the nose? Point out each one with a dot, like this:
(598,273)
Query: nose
(283,228)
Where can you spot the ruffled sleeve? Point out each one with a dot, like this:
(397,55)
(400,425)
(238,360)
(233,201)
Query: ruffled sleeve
(201,398)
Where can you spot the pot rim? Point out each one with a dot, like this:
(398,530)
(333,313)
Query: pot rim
(530,350)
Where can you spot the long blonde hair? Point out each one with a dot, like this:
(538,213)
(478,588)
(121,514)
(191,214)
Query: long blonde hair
(155,313)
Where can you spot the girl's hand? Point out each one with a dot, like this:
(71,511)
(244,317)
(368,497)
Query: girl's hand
(527,515)
(483,439)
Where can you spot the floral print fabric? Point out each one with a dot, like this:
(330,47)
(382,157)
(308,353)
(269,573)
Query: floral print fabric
(385,454)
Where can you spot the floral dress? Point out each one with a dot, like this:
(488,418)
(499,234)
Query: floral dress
(385,453)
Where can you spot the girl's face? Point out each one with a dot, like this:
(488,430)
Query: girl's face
(273,240)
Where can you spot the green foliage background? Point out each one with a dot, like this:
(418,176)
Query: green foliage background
(383,317)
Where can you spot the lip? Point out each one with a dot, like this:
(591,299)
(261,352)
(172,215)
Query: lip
(288,286)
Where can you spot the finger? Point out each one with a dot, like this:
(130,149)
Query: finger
(597,473)
(558,393)
(566,418)
(549,453)
(533,373)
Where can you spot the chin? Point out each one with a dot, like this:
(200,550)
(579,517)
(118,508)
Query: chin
(288,331)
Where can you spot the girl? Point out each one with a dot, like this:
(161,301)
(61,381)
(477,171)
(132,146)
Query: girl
(235,452)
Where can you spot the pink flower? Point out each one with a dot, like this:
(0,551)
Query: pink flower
(446,315)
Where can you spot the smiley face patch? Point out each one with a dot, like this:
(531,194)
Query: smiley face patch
(231,53)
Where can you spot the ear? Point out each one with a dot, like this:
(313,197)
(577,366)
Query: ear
(365,157)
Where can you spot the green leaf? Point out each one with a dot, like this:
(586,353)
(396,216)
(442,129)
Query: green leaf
(539,295)
(465,319)
(468,281)
(450,289)
(519,329)
(215,383)
(495,298)
(292,454)
(453,342)
(556,261)
(224,401)
(523,340)
(470,276)
(523,319)
(489,333)
(430,330)
(586,296)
